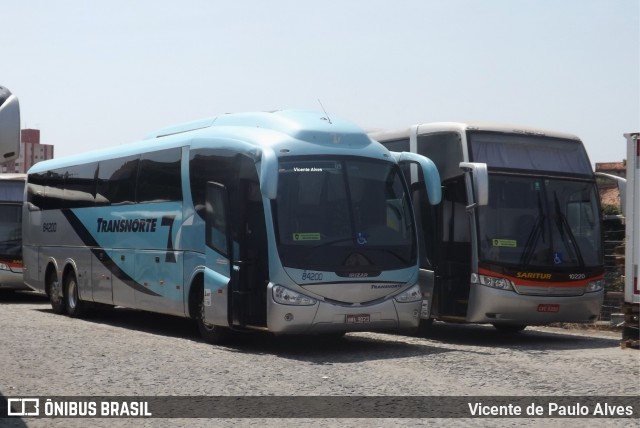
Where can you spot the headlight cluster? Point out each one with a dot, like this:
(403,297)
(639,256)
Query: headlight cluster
(4,266)
(491,281)
(411,295)
(285,296)
(596,285)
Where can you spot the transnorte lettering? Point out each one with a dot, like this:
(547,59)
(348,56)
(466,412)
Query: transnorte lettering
(129,225)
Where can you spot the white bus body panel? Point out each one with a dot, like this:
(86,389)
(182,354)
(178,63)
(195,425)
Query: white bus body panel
(491,305)
(326,317)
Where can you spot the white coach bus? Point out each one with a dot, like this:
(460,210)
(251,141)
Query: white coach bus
(287,222)
(11,195)
(516,240)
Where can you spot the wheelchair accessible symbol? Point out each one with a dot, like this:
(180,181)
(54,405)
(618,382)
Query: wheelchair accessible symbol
(362,239)
(557,258)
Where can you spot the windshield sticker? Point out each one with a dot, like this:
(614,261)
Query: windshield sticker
(505,243)
(309,236)
(557,258)
(362,238)
(306,169)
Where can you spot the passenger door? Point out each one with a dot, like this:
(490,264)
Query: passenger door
(219,275)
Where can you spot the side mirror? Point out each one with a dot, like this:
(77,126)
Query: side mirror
(429,171)
(480,180)
(9,126)
(269,174)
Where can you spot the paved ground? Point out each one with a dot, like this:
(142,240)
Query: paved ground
(131,353)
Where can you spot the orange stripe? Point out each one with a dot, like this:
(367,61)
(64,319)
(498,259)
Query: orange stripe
(521,281)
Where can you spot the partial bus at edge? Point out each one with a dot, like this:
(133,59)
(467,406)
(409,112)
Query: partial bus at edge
(11,195)
(11,198)
(288,222)
(516,240)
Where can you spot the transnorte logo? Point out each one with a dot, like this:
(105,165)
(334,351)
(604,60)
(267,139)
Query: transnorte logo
(128,225)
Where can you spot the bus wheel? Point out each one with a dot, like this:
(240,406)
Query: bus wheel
(55,294)
(213,334)
(75,306)
(510,328)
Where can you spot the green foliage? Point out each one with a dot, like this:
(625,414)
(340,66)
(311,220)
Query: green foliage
(609,209)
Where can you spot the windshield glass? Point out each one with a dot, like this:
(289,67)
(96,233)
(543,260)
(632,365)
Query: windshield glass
(11,232)
(540,222)
(343,214)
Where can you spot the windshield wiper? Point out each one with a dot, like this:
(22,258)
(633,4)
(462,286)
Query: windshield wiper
(534,235)
(325,244)
(563,225)
(393,253)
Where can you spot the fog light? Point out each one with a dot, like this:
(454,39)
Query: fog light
(288,317)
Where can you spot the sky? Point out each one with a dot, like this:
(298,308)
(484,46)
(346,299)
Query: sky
(91,75)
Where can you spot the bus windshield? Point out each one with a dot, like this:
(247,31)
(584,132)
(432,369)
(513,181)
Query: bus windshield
(529,152)
(10,232)
(11,195)
(540,222)
(343,214)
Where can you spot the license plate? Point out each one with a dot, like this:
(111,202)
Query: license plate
(548,307)
(358,319)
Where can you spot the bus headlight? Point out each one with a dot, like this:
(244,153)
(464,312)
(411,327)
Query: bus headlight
(411,295)
(4,266)
(285,296)
(593,286)
(491,281)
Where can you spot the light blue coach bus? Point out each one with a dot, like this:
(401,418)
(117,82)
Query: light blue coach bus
(287,222)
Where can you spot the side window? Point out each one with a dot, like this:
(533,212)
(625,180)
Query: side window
(116,181)
(216,215)
(12,191)
(35,189)
(53,191)
(159,178)
(455,220)
(80,186)
(445,150)
(397,145)
(204,166)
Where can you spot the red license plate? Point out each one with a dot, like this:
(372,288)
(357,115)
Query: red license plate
(548,307)
(358,319)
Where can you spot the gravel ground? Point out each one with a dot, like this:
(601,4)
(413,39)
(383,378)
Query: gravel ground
(130,353)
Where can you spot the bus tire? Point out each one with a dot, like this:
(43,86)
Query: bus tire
(213,334)
(509,328)
(54,290)
(75,307)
